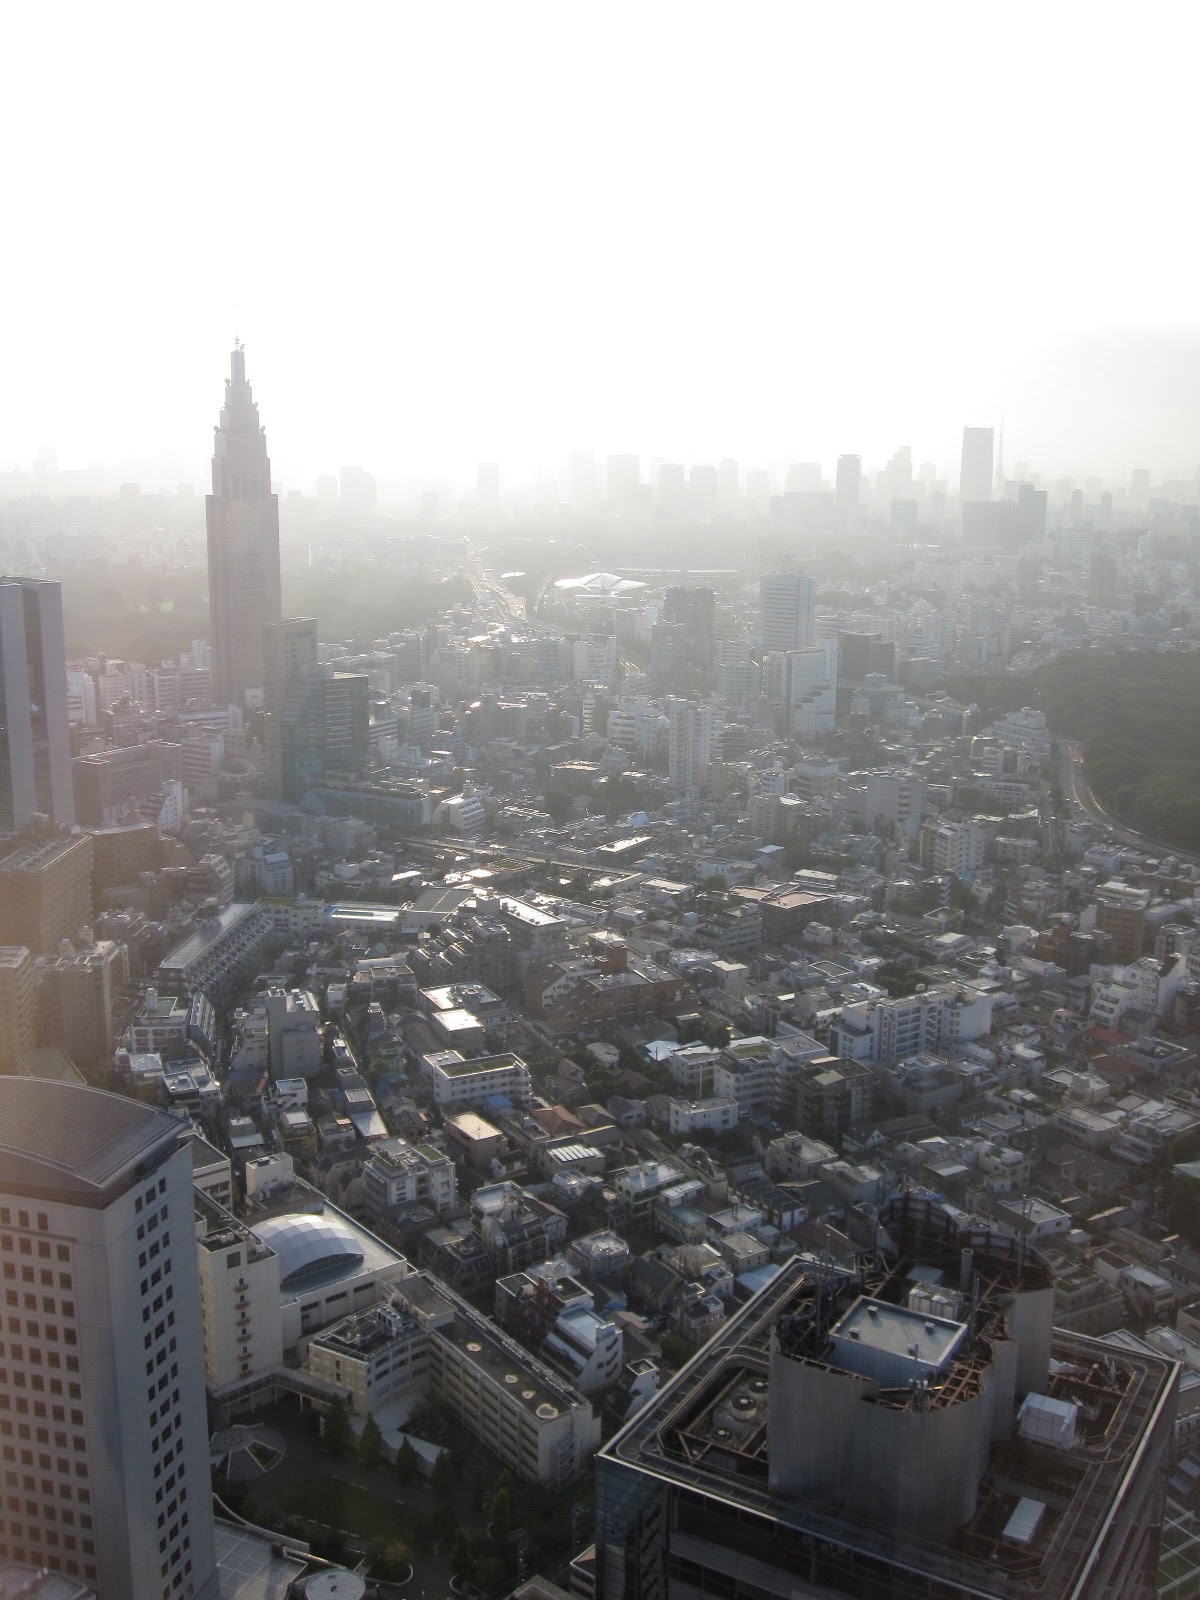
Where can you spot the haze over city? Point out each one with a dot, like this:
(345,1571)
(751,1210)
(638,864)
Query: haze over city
(599,804)
(503,233)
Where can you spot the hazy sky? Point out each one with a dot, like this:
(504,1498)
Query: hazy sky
(451,232)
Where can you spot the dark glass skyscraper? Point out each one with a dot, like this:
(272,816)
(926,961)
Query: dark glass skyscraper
(243,542)
(35,743)
(316,719)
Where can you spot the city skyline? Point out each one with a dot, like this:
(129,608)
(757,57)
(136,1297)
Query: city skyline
(780,274)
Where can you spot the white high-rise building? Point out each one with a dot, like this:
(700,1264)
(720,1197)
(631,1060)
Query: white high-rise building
(896,795)
(975,471)
(690,750)
(812,688)
(786,602)
(103,1429)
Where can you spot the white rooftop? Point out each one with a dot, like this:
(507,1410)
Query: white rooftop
(892,1343)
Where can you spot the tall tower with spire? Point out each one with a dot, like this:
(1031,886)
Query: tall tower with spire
(243,542)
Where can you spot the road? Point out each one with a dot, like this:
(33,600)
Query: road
(1076,786)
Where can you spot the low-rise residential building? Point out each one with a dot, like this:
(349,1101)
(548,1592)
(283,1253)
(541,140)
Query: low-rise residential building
(458,1082)
(537,1425)
(517,1229)
(397,1174)
(689,1117)
(552,1313)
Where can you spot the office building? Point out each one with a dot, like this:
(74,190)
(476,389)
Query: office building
(862,653)
(1121,914)
(952,846)
(243,542)
(847,489)
(975,472)
(694,609)
(120,855)
(46,892)
(913,1426)
(896,799)
(932,1022)
(103,1426)
(35,737)
(109,783)
(17,1007)
(220,956)
(1102,580)
(785,611)
(317,719)
(77,999)
(1032,508)
(812,688)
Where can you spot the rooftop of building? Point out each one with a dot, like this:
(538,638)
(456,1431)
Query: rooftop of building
(469,1125)
(226,921)
(73,1143)
(49,1061)
(493,1353)
(39,853)
(708,1429)
(317,1248)
(366,1332)
(466,1069)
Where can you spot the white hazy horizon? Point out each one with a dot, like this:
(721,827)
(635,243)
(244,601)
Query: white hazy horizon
(458,233)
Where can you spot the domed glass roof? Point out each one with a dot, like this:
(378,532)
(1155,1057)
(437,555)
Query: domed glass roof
(308,1246)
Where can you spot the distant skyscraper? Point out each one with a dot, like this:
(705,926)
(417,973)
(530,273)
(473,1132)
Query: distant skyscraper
(96,1191)
(975,473)
(785,611)
(35,739)
(848,485)
(243,542)
(316,719)
(358,494)
(623,485)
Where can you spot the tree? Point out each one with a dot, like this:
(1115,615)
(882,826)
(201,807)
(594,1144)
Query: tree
(445,1523)
(676,1350)
(442,1477)
(336,1434)
(478,1488)
(423,1534)
(370,1444)
(408,1463)
(389,1559)
(558,803)
(500,1520)
(462,1557)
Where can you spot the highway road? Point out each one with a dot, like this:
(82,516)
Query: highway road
(1076,786)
